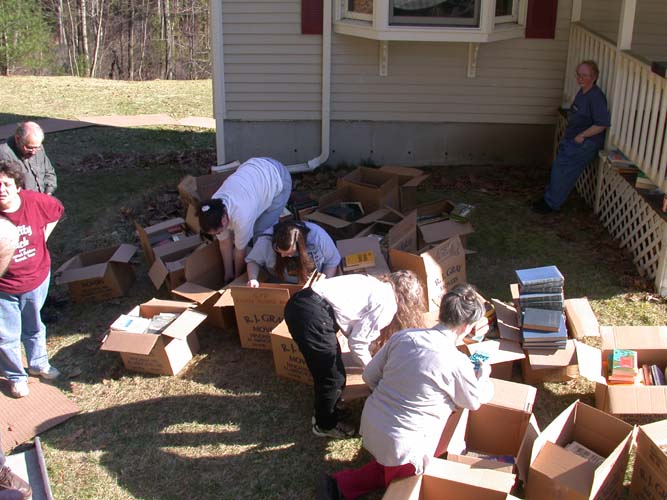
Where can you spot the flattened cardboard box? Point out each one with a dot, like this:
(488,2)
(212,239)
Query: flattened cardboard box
(448,479)
(439,268)
(409,180)
(649,477)
(510,409)
(360,245)
(558,473)
(373,187)
(166,353)
(204,276)
(98,275)
(650,342)
(24,418)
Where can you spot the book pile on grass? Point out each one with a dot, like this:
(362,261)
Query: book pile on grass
(623,367)
(541,301)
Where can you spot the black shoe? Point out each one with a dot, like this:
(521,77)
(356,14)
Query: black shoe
(10,481)
(542,207)
(327,488)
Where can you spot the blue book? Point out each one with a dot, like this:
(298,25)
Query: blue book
(541,319)
(547,275)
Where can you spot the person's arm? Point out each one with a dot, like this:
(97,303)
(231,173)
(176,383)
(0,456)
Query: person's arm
(50,179)
(239,261)
(330,271)
(253,273)
(471,389)
(226,248)
(589,132)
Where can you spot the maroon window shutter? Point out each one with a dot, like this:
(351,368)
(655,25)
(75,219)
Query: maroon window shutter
(541,18)
(311,17)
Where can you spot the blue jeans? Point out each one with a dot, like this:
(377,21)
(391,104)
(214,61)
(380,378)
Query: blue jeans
(570,162)
(271,215)
(20,322)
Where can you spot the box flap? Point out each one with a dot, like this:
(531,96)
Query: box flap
(590,362)
(443,230)
(135,343)
(616,459)
(95,271)
(638,338)
(552,432)
(407,488)
(407,172)
(512,395)
(570,472)
(526,447)
(157,273)
(544,359)
(181,246)
(581,320)
(124,253)
(403,236)
(194,292)
(204,267)
(499,351)
(508,321)
(461,481)
(183,326)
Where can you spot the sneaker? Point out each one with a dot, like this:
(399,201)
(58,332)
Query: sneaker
(327,488)
(542,207)
(20,389)
(341,431)
(10,481)
(48,373)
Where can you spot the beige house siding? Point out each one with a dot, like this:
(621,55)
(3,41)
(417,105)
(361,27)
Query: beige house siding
(272,72)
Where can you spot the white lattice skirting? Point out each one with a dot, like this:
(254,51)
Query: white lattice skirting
(627,216)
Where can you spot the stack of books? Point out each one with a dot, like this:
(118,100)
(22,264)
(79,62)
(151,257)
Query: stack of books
(623,367)
(621,163)
(541,301)
(653,375)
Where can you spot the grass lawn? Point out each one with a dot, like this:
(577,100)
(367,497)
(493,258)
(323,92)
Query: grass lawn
(227,427)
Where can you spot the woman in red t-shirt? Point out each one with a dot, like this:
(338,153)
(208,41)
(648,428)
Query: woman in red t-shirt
(23,288)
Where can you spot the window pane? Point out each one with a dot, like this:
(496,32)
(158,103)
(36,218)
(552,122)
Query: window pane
(360,6)
(447,12)
(504,7)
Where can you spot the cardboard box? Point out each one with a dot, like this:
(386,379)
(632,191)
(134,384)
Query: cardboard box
(502,355)
(98,275)
(409,180)
(448,479)
(259,311)
(439,268)
(373,187)
(157,237)
(340,228)
(650,342)
(550,365)
(505,426)
(166,353)
(394,230)
(361,245)
(558,473)
(581,320)
(193,190)
(649,477)
(432,228)
(204,284)
(168,267)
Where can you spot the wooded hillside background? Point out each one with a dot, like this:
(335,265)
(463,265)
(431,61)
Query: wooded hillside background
(119,39)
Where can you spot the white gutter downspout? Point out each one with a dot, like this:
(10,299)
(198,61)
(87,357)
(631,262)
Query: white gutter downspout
(326,96)
(219,102)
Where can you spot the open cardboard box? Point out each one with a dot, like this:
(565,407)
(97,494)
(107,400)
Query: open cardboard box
(650,342)
(439,268)
(165,353)
(449,479)
(433,229)
(340,228)
(204,275)
(169,264)
(158,238)
(361,245)
(394,230)
(505,426)
(649,477)
(373,187)
(559,473)
(193,190)
(409,180)
(98,275)
(581,320)
(502,355)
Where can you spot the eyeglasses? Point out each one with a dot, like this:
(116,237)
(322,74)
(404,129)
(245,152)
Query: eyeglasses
(584,75)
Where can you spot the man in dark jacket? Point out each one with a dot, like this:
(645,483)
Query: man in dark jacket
(25,148)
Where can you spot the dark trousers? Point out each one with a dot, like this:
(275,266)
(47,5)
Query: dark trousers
(312,323)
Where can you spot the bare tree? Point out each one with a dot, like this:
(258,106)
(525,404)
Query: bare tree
(83,19)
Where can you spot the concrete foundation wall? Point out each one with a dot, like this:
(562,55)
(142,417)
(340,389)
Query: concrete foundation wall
(408,144)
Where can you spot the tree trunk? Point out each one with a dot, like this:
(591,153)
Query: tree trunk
(74,66)
(169,36)
(130,41)
(144,28)
(98,38)
(83,15)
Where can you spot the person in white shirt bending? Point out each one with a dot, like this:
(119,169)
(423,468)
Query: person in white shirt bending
(248,203)
(418,378)
(367,311)
(291,251)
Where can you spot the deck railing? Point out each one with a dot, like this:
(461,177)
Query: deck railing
(637,100)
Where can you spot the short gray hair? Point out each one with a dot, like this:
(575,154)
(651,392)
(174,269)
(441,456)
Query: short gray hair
(460,306)
(26,129)
(9,239)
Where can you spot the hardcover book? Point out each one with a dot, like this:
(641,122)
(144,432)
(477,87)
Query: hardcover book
(542,319)
(547,275)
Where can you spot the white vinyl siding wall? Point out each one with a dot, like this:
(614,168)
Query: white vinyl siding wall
(272,72)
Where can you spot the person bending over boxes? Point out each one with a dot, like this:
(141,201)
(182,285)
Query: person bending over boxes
(248,203)
(418,378)
(367,310)
(291,251)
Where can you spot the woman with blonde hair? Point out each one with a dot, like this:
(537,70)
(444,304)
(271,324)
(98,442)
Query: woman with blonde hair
(367,310)
(291,251)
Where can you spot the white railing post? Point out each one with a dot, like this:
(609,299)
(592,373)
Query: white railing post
(626,24)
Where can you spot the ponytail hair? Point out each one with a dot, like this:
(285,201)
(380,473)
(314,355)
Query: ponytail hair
(210,214)
(292,235)
(460,306)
